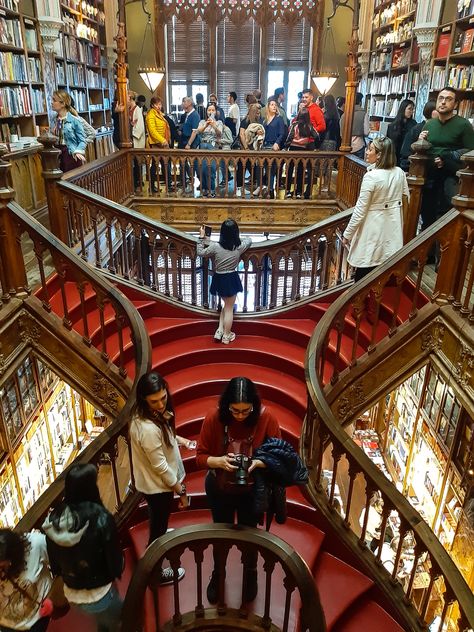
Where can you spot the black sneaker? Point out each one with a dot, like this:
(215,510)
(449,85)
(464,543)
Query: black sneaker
(213,588)
(251,587)
(167,575)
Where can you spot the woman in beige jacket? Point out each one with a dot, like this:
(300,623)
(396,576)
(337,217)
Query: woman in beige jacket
(375,230)
(157,464)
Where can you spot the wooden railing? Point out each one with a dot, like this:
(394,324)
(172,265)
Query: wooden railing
(337,394)
(80,293)
(149,253)
(301,605)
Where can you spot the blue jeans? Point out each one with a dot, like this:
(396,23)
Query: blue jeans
(106,611)
(205,184)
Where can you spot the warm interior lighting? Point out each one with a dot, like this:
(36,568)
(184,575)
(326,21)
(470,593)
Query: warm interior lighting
(152,77)
(324,81)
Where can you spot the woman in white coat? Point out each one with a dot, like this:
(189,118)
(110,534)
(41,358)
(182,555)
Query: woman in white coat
(137,129)
(375,230)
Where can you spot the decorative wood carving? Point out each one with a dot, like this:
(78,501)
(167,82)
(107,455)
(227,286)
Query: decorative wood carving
(239,11)
(105,393)
(29,331)
(432,338)
(348,403)
(463,368)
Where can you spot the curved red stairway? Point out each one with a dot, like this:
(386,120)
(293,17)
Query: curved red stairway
(271,352)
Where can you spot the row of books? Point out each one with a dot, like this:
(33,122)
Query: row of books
(38,101)
(401,57)
(381,61)
(60,74)
(465,8)
(34,66)
(11,5)
(15,101)
(10,32)
(31,37)
(75,74)
(80,100)
(13,67)
(466,108)
(438,77)
(463,41)
(461,77)
(382,107)
(94,79)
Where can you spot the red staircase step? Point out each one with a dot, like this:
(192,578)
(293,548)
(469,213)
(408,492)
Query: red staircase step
(369,617)
(339,586)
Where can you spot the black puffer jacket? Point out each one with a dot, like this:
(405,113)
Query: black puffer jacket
(283,469)
(83,545)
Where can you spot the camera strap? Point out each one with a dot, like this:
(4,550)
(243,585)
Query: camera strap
(239,446)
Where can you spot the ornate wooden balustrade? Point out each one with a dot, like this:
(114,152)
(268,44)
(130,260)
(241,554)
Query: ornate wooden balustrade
(149,253)
(301,603)
(359,376)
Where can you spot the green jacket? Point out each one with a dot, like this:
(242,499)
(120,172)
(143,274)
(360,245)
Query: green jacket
(450,140)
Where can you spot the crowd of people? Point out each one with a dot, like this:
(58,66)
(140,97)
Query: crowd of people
(264,127)
(79,541)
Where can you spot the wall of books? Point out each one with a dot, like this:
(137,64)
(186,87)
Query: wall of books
(454,54)
(81,67)
(44,425)
(425,446)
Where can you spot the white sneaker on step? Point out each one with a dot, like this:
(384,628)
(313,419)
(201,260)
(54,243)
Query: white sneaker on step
(218,334)
(230,337)
(167,575)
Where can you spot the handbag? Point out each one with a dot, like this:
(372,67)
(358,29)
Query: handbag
(238,481)
(53,605)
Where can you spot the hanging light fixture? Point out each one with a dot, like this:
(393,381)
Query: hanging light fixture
(325,77)
(151,75)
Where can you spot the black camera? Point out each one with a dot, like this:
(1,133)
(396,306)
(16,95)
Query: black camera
(242,472)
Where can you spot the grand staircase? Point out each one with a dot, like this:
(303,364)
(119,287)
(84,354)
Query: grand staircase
(270,351)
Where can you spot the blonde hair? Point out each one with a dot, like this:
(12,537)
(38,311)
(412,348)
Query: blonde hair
(65,98)
(254,112)
(386,157)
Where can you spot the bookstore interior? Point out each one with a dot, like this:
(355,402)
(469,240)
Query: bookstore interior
(421,435)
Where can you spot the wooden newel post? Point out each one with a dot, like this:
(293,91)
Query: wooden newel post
(51,175)
(12,267)
(456,252)
(416,180)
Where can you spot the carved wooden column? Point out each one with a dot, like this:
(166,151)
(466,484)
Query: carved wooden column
(51,175)
(453,268)
(122,81)
(318,25)
(12,267)
(416,180)
(353,75)
(50,24)
(160,47)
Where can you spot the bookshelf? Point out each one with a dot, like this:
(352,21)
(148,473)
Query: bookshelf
(81,60)
(22,93)
(453,62)
(393,63)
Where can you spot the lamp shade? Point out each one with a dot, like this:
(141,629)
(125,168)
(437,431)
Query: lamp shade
(152,77)
(324,81)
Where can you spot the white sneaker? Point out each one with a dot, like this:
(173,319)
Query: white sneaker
(167,575)
(238,192)
(257,191)
(230,337)
(218,335)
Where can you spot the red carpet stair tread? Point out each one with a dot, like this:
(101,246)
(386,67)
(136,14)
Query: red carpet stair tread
(271,351)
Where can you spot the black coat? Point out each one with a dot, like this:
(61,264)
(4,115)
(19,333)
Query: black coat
(283,468)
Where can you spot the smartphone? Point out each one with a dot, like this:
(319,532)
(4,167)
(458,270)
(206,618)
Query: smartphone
(207,230)
(192,445)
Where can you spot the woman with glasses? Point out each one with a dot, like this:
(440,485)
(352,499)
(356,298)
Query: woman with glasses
(401,125)
(375,230)
(229,435)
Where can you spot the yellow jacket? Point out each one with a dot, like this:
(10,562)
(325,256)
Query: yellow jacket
(158,128)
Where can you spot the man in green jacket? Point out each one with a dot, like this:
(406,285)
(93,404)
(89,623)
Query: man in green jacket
(451,136)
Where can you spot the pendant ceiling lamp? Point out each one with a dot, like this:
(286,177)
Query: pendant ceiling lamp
(153,74)
(326,77)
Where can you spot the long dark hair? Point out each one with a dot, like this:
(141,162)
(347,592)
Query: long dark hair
(13,548)
(149,384)
(399,120)
(304,123)
(229,237)
(330,108)
(240,390)
(80,486)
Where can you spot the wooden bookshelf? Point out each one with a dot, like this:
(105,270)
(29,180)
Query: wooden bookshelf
(393,64)
(81,60)
(453,62)
(22,94)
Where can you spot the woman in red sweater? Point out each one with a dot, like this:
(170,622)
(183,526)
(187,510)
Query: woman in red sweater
(238,425)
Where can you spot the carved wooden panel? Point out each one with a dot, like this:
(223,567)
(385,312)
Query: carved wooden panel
(21,179)
(263,11)
(39,192)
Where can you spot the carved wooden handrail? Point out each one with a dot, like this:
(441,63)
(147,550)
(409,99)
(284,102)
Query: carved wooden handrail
(149,253)
(324,439)
(78,285)
(196,539)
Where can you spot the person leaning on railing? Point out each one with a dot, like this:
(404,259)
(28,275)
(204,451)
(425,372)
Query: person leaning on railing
(70,132)
(250,142)
(301,137)
(237,427)
(210,131)
(275,134)
(375,230)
